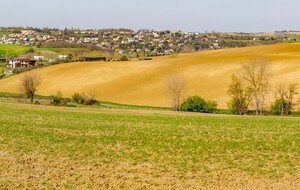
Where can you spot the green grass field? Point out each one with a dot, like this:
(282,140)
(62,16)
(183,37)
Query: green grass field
(12,50)
(92,148)
(2,33)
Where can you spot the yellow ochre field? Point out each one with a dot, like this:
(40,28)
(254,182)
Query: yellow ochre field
(143,82)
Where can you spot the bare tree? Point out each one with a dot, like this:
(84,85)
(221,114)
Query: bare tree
(29,84)
(256,73)
(89,97)
(175,85)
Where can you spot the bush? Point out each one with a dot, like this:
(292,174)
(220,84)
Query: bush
(210,106)
(31,50)
(124,58)
(77,98)
(198,104)
(58,100)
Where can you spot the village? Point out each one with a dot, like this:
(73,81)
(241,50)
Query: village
(144,41)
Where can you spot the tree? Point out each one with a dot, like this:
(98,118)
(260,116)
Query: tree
(175,85)
(240,96)
(256,72)
(284,98)
(29,84)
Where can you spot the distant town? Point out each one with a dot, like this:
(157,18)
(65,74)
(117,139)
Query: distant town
(139,43)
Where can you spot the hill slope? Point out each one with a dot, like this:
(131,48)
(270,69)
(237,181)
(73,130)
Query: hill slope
(142,83)
(12,50)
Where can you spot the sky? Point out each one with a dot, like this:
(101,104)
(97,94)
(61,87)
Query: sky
(186,15)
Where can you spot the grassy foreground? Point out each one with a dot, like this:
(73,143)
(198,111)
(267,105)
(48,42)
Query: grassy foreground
(85,148)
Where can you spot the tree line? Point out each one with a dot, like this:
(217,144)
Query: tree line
(250,86)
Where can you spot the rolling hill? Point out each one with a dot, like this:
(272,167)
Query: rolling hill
(143,82)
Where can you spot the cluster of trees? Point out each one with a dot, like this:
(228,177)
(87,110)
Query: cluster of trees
(251,86)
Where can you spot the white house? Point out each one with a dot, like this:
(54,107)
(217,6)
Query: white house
(63,56)
(38,57)
(15,63)
(215,46)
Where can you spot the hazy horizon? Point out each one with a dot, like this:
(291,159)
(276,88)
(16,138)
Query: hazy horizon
(185,15)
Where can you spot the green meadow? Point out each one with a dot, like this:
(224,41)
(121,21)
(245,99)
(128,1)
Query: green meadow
(101,148)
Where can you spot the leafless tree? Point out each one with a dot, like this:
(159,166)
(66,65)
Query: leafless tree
(175,85)
(29,84)
(256,73)
(89,97)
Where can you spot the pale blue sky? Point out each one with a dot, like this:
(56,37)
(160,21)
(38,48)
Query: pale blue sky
(187,15)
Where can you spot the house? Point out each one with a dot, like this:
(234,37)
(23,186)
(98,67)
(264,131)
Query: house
(63,56)
(23,63)
(215,46)
(38,57)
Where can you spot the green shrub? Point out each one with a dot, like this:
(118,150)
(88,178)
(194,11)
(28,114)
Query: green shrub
(77,98)
(198,104)
(124,58)
(58,100)
(31,50)
(210,106)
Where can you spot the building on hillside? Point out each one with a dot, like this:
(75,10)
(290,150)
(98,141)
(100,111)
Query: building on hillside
(215,46)
(23,63)
(63,56)
(38,57)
